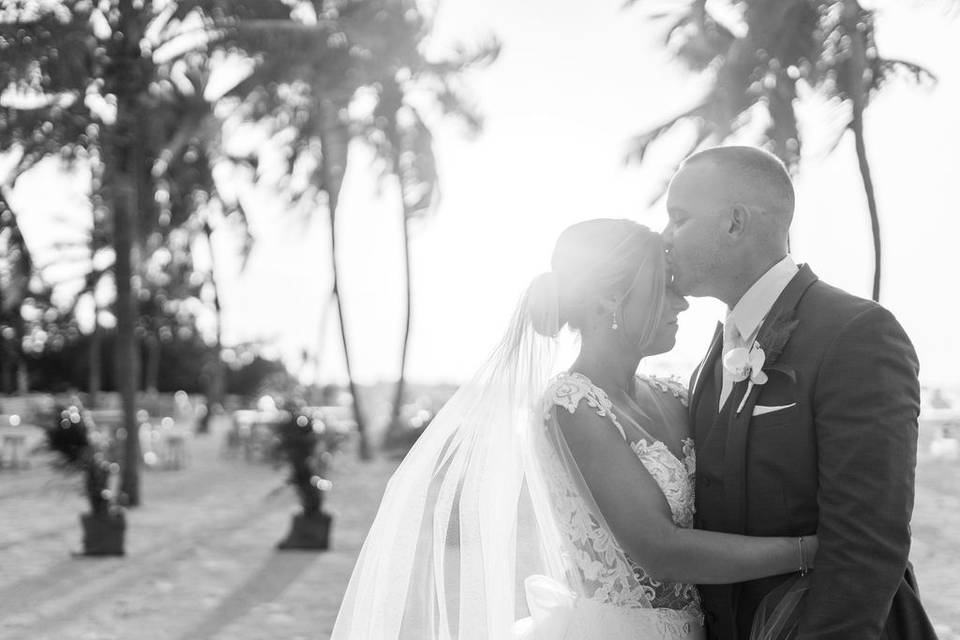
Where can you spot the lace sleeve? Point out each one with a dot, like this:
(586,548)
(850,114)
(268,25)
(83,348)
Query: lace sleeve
(569,390)
(672,386)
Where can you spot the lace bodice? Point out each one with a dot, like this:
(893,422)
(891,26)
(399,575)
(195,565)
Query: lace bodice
(611,576)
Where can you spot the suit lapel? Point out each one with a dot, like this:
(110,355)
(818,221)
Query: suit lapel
(738,427)
(705,369)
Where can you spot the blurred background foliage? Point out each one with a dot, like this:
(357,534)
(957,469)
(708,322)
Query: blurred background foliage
(153,100)
(760,60)
(171,109)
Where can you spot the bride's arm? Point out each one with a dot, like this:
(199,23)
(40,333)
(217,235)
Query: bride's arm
(639,516)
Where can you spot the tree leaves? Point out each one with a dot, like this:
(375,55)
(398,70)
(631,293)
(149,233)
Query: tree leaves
(781,47)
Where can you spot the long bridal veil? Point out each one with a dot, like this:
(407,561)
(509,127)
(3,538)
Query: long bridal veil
(456,522)
(470,513)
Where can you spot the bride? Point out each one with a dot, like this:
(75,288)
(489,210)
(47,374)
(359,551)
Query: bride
(541,507)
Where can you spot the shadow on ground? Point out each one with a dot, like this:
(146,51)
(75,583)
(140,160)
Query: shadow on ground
(276,574)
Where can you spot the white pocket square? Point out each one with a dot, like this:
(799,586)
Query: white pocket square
(759,410)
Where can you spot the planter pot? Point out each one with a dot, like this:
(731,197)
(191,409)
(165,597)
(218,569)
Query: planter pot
(103,534)
(308,532)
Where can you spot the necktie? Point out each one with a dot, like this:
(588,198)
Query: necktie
(731,340)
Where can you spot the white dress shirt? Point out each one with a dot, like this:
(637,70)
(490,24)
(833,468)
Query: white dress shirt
(744,320)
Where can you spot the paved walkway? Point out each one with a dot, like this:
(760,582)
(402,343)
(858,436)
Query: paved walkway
(201,562)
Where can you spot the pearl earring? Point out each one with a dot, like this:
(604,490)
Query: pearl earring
(614,325)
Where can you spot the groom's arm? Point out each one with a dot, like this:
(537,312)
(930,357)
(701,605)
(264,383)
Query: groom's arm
(866,404)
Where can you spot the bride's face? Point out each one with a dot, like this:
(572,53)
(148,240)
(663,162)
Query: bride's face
(665,332)
(666,336)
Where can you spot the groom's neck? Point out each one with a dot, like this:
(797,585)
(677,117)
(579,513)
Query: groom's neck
(751,271)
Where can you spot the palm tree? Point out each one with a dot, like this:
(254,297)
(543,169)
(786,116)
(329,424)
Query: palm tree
(782,51)
(399,133)
(16,271)
(388,108)
(81,75)
(305,78)
(334,141)
(319,65)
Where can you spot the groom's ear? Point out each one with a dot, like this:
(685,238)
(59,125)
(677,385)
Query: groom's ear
(739,219)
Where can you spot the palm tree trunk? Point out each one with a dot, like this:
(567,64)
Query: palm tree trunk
(857,68)
(392,99)
(858,137)
(408,300)
(364,447)
(94,381)
(6,367)
(22,373)
(217,383)
(126,352)
(333,142)
(13,368)
(126,156)
(23,378)
(152,365)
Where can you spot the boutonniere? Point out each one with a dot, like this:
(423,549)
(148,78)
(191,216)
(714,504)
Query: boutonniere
(747,364)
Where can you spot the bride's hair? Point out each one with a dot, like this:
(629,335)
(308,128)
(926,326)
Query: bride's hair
(592,260)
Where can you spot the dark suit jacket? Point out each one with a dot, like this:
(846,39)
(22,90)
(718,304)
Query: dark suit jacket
(838,462)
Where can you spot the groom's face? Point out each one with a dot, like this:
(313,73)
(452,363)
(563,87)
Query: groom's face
(695,234)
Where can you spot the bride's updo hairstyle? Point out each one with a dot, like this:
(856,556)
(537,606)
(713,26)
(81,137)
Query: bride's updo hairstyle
(593,261)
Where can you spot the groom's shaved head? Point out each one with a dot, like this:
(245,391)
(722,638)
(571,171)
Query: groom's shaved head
(730,211)
(752,177)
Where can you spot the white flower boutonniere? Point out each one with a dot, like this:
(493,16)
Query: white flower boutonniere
(746,363)
(743,364)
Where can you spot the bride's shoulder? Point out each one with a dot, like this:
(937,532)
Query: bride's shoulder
(671,385)
(569,389)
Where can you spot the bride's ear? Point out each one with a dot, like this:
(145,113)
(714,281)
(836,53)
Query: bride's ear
(606,305)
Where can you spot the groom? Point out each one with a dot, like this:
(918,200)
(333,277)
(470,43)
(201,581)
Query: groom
(818,437)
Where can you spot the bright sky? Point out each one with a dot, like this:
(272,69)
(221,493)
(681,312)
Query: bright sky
(573,83)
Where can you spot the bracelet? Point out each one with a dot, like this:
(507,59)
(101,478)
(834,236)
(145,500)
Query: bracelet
(804,567)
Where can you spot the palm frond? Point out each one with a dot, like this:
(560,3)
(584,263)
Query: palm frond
(698,142)
(891,69)
(418,166)
(640,143)
(481,55)
(49,54)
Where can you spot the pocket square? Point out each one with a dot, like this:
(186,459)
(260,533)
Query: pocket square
(759,410)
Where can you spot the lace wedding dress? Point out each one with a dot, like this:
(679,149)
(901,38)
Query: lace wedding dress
(488,531)
(617,599)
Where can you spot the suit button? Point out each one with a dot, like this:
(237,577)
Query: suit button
(706,482)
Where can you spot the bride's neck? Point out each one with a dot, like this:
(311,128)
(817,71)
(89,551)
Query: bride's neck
(609,370)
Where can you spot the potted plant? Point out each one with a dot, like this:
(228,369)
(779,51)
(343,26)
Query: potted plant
(307,445)
(78,448)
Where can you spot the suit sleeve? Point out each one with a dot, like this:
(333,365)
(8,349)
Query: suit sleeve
(867,401)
